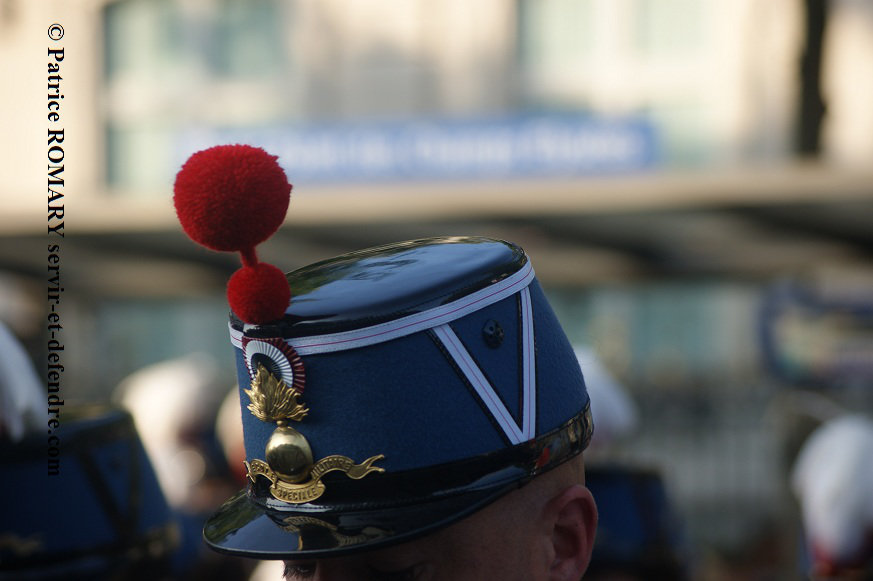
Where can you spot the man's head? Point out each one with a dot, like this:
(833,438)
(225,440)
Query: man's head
(542,531)
(406,397)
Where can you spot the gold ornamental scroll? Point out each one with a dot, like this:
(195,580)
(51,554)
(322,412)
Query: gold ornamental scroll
(314,488)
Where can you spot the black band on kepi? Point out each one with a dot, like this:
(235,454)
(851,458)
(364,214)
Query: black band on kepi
(388,508)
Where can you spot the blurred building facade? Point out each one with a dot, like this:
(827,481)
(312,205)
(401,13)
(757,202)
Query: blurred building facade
(657,254)
(719,84)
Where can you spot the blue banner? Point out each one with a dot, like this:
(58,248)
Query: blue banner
(528,146)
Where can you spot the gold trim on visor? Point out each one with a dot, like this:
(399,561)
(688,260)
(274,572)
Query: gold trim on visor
(289,462)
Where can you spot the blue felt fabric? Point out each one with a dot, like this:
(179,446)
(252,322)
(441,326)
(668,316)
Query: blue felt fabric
(406,400)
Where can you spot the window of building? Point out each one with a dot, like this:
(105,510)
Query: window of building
(171,66)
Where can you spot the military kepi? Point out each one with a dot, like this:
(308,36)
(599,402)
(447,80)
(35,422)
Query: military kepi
(385,393)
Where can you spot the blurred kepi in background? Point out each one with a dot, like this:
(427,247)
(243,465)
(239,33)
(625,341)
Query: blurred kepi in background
(833,479)
(639,536)
(78,502)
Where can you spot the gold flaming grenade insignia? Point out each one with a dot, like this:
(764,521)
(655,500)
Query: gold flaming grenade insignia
(289,464)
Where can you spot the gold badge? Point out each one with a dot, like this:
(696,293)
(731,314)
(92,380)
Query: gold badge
(289,463)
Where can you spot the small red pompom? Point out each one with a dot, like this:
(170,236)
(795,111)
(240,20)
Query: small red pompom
(258,294)
(231,197)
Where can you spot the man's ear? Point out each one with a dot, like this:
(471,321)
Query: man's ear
(573,515)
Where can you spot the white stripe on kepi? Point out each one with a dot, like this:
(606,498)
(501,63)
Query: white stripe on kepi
(529,374)
(483,387)
(409,324)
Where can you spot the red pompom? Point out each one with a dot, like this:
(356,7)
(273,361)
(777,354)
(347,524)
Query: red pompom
(231,197)
(258,294)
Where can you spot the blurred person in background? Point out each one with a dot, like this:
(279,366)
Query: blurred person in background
(81,501)
(175,404)
(639,536)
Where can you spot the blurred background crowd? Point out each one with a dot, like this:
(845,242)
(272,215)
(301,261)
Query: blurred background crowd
(691,178)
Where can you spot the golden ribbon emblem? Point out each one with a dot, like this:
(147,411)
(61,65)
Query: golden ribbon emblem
(313,488)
